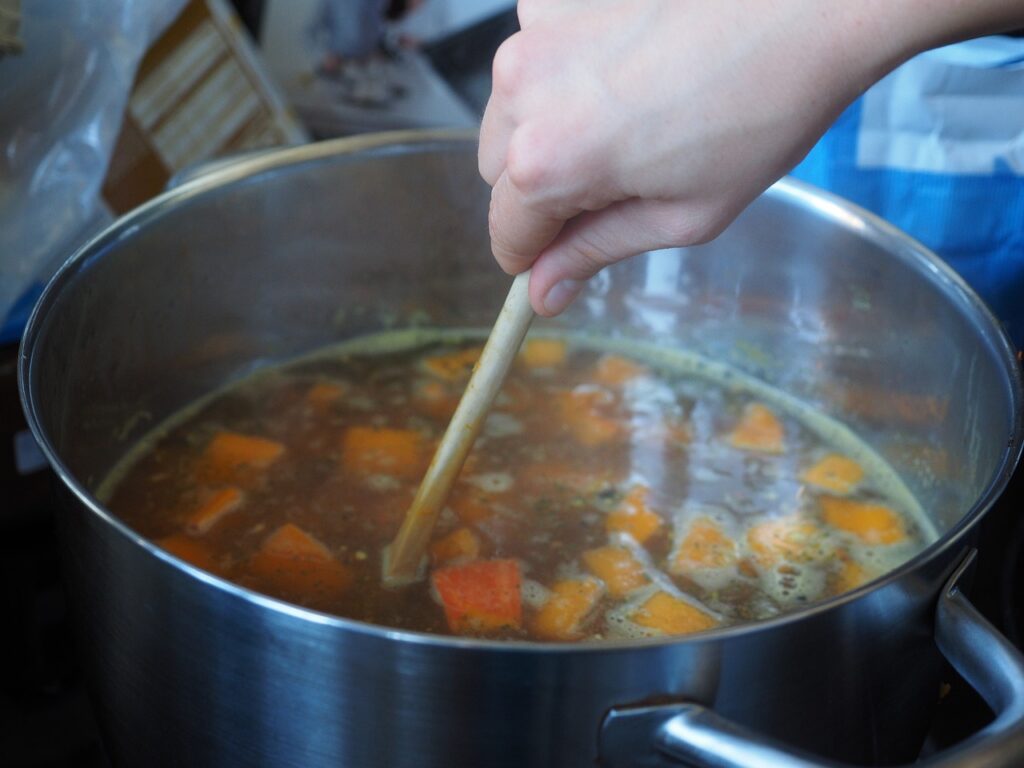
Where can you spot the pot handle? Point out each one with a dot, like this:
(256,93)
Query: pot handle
(691,734)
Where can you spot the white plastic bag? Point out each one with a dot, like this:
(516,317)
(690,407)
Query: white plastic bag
(61,104)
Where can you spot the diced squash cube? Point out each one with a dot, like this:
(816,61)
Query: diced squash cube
(460,544)
(229,452)
(705,545)
(295,564)
(872,523)
(382,451)
(571,602)
(324,394)
(480,597)
(614,370)
(850,574)
(581,411)
(672,616)
(214,508)
(543,353)
(453,366)
(617,568)
(634,517)
(790,538)
(835,473)
(758,429)
(190,550)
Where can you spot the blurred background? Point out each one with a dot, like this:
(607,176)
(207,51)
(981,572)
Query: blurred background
(105,103)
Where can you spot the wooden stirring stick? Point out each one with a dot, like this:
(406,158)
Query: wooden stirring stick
(403,557)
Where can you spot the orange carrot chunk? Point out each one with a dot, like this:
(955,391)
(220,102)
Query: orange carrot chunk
(229,452)
(571,602)
(543,353)
(453,366)
(581,411)
(834,473)
(870,522)
(705,545)
(634,517)
(460,544)
(383,451)
(191,551)
(786,538)
(482,596)
(758,429)
(617,568)
(215,507)
(297,565)
(614,371)
(850,574)
(672,616)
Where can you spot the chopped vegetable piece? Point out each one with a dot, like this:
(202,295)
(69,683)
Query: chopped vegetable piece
(872,523)
(571,602)
(580,410)
(835,473)
(759,429)
(705,545)
(460,544)
(543,353)
(634,517)
(850,575)
(482,596)
(323,395)
(614,371)
(191,551)
(214,508)
(671,615)
(229,452)
(787,538)
(373,450)
(298,565)
(617,568)
(453,366)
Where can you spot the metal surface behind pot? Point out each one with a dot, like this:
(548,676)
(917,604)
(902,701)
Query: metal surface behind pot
(287,252)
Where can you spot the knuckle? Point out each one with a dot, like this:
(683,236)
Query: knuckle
(528,11)
(507,71)
(531,164)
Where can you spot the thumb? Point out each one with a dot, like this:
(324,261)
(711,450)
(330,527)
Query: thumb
(591,241)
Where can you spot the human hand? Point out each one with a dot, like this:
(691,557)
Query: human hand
(621,126)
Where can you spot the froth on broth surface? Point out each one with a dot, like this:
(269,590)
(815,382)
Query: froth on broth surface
(608,496)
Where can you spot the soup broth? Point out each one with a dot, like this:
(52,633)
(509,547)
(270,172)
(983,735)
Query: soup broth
(610,495)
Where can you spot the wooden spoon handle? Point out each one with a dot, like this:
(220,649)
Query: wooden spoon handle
(403,557)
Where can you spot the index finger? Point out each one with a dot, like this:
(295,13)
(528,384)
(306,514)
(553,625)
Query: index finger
(519,232)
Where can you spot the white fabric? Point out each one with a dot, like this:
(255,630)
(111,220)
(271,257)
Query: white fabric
(956,110)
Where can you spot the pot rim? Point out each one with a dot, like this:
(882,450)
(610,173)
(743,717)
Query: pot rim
(843,213)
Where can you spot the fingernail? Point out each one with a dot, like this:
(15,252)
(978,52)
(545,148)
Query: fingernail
(561,295)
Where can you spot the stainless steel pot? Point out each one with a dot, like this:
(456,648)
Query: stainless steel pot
(279,254)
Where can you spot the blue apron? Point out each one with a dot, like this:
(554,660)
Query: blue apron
(937,148)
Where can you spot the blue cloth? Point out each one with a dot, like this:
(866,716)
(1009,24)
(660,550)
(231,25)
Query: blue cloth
(937,149)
